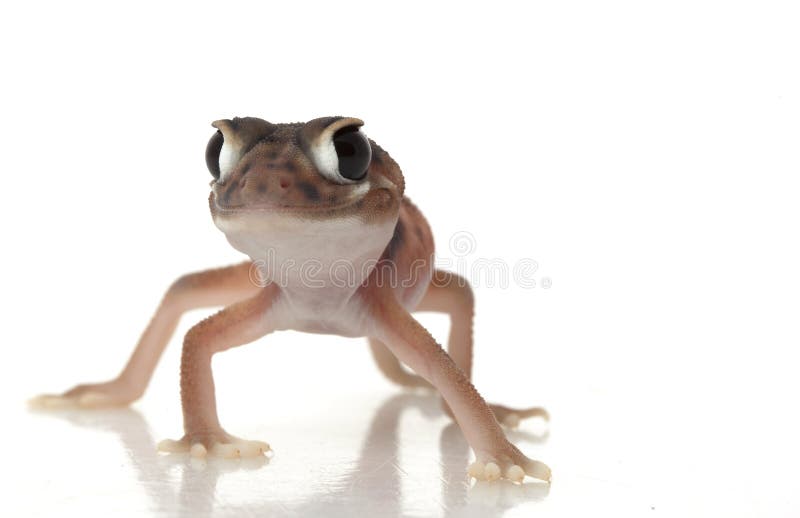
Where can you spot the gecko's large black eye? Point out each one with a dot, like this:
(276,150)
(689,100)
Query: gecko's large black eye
(212,153)
(354,152)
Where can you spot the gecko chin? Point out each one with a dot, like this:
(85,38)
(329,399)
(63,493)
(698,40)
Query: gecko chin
(298,234)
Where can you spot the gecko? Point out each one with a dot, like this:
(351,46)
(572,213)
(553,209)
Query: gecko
(335,247)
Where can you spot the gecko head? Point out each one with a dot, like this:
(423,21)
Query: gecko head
(319,179)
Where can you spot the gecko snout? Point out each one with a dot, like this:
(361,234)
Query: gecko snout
(268,184)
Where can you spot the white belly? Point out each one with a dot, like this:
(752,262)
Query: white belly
(318,265)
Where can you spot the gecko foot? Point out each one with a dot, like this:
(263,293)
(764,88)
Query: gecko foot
(217,444)
(113,393)
(511,417)
(509,464)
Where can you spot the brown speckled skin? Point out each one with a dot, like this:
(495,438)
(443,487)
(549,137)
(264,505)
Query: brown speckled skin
(273,175)
(276,173)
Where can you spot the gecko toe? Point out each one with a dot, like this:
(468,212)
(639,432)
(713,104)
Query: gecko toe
(94,400)
(476,470)
(539,470)
(198,451)
(515,473)
(536,411)
(225,451)
(170,446)
(492,471)
(511,420)
(51,402)
(252,448)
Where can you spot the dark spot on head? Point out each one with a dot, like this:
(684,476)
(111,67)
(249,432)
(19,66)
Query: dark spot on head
(289,166)
(272,155)
(309,190)
(261,187)
(246,170)
(383,199)
(226,196)
(419,232)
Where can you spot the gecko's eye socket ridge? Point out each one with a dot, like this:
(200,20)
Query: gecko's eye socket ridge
(353,151)
(213,150)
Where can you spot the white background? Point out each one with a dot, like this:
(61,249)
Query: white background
(644,154)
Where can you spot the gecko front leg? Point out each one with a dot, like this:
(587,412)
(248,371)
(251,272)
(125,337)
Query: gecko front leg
(235,325)
(209,288)
(413,345)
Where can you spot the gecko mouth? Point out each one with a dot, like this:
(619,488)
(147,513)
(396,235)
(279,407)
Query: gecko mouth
(274,208)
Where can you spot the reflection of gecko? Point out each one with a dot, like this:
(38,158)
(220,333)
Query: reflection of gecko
(337,249)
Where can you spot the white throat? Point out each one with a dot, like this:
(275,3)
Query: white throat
(308,258)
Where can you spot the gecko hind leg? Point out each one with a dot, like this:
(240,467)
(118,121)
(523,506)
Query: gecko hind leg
(391,367)
(450,293)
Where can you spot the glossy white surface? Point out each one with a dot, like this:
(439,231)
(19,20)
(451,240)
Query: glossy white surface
(378,455)
(348,444)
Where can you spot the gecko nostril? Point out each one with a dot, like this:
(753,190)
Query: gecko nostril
(284,183)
